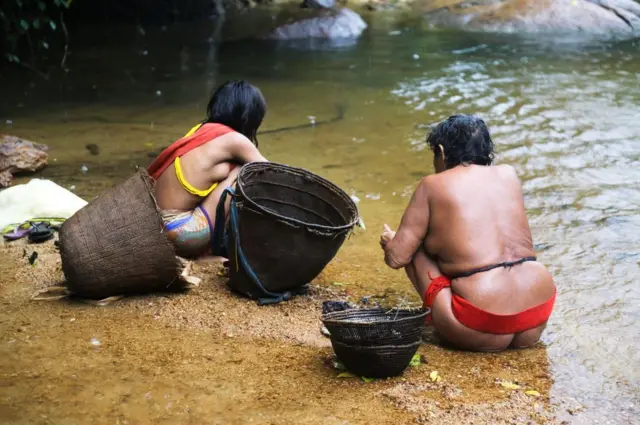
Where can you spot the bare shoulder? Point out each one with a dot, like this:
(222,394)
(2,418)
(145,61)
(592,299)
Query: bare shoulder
(509,176)
(429,181)
(438,180)
(231,142)
(234,138)
(507,171)
(430,185)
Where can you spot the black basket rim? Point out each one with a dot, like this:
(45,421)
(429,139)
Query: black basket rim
(300,172)
(377,347)
(329,318)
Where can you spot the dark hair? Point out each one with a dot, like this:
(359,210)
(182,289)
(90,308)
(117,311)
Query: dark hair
(465,139)
(239,105)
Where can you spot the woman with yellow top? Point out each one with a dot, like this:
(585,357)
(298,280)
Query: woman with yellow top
(192,173)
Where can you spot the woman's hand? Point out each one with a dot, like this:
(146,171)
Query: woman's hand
(386,236)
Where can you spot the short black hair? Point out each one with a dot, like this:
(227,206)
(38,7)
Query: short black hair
(465,139)
(239,105)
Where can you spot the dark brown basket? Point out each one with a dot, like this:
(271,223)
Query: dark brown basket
(375,362)
(116,244)
(369,327)
(290,224)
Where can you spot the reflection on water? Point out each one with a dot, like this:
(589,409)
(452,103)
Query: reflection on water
(565,115)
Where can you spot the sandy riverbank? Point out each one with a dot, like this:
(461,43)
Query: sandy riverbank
(209,356)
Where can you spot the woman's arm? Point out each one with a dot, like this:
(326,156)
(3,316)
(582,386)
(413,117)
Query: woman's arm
(400,248)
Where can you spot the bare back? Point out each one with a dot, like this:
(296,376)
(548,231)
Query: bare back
(477,218)
(202,167)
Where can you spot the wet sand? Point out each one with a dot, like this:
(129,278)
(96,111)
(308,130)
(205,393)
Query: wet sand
(210,356)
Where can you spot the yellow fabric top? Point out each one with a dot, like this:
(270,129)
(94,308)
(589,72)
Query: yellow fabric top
(187,186)
(183,181)
(193,130)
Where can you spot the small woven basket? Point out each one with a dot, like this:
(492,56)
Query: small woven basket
(381,361)
(376,343)
(376,327)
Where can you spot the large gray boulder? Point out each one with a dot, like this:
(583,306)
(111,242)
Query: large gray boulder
(598,17)
(344,23)
(18,156)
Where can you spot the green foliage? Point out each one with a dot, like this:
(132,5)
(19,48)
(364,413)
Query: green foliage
(30,26)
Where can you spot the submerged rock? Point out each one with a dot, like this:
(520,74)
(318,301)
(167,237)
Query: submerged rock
(375,5)
(318,4)
(18,156)
(602,17)
(344,23)
(93,149)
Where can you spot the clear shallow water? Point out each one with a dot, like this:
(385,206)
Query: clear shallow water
(564,113)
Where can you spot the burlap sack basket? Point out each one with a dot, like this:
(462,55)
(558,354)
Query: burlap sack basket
(286,224)
(116,244)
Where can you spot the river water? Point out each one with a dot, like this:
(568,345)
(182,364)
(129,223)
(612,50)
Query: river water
(564,112)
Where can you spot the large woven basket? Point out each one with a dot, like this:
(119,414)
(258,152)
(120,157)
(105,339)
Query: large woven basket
(116,245)
(369,327)
(290,223)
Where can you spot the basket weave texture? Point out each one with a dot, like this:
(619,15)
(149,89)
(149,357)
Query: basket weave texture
(381,361)
(291,223)
(376,326)
(116,245)
(376,343)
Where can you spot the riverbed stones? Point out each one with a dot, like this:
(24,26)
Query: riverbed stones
(598,17)
(340,24)
(20,156)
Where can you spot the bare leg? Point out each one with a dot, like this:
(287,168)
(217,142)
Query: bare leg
(528,338)
(420,269)
(444,322)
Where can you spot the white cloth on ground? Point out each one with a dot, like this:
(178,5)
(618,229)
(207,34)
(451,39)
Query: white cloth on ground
(38,198)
